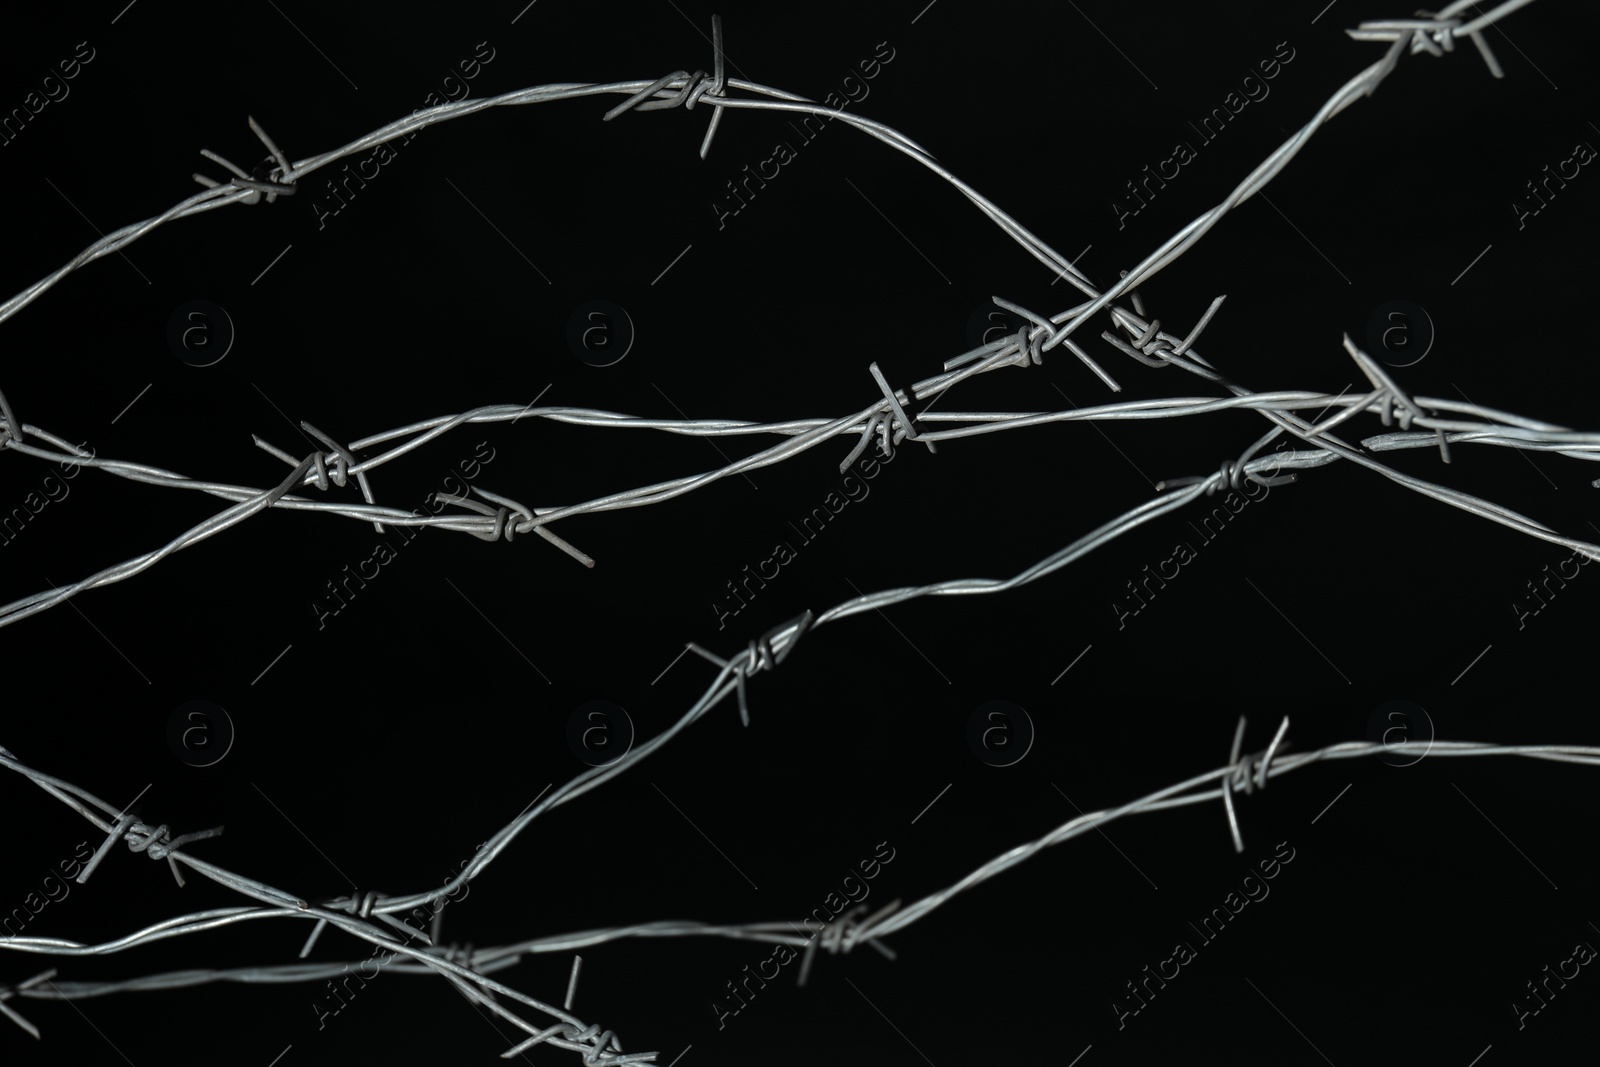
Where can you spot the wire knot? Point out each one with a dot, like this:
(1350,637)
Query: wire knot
(504,526)
(360,905)
(600,1053)
(1239,768)
(1032,341)
(319,469)
(605,1042)
(160,845)
(357,904)
(1426,32)
(1153,344)
(704,84)
(151,841)
(695,87)
(364,909)
(501,526)
(1233,476)
(264,179)
(906,429)
(343,460)
(760,653)
(273,176)
(1436,35)
(846,931)
(1392,400)
(1030,344)
(1429,32)
(155,842)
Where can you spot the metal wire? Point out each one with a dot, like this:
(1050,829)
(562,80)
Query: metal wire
(370,917)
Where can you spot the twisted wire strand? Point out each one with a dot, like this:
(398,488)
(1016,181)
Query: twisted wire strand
(468,967)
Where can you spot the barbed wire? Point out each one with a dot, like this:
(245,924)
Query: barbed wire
(467,969)
(351,914)
(509,517)
(1243,772)
(1434,34)
(1151,347)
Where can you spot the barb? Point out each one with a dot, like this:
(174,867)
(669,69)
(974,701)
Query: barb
(1435,32)
(275,181)
(7,992)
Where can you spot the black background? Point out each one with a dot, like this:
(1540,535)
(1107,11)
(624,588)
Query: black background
(376,751)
